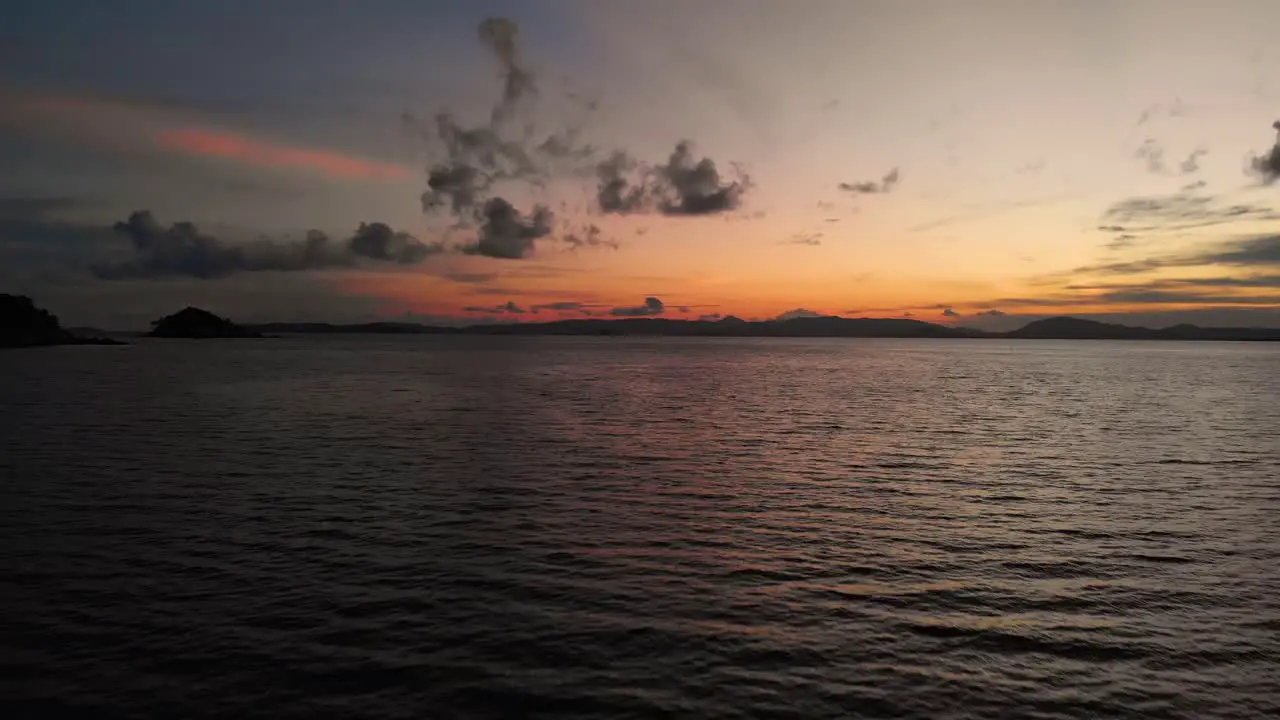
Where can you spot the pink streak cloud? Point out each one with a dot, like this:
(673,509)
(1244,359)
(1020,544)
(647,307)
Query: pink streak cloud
(229,146)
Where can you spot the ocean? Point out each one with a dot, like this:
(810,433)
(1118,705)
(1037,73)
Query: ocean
(546,527)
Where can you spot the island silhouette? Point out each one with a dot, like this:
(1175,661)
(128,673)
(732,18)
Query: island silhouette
(23,324)
(194,323)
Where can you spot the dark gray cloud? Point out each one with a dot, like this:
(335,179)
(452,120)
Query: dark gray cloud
(182,250)
(507,234)
(500,35)
(990,313)
(378,241)
(950,312)
(470,162)
(1267,167)
(651,306)
(683,185)
(886,184)
(710,317)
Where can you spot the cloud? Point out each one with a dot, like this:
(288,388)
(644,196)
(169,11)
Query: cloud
(797,313)
(470,163)
(1267,167)
(651,306)
(379,242)
(683,186)
(1179,211)
(1192,164)
(507,234)
(990,313)
(508,307)
(1260,251)
(709,317)
(1122,241)
(182,250)
(886,184)
(811,239)
(229,146)
(1152,152)
(499,35)
(589,235)
(950,312)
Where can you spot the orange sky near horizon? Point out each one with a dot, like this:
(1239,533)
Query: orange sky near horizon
(1048,159)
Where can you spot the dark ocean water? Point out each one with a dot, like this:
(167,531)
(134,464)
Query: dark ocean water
(596,528)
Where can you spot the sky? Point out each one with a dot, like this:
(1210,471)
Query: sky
(975,162)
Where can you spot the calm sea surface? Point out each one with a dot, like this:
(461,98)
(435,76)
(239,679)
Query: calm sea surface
(598,528)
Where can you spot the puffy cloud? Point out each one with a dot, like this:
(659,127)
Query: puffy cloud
(683,185)
(506,233)
(1267,167)
(470,162)
(182,250)
(950,312)
(651,306)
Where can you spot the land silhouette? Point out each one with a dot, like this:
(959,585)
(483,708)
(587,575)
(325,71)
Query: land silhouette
(23,324)
(194,323)
(1058,328)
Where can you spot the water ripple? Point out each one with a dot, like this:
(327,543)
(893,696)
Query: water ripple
(603,528)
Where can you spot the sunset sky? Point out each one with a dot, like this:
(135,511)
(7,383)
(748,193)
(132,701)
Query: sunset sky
(967,161)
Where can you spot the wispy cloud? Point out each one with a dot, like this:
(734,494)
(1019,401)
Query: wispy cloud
(248,151)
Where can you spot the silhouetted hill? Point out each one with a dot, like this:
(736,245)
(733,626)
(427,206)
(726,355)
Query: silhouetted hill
(193,322)
(1069,328)
(23,324)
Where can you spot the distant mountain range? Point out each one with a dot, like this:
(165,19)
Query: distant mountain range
(1058,328)
(24,324)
